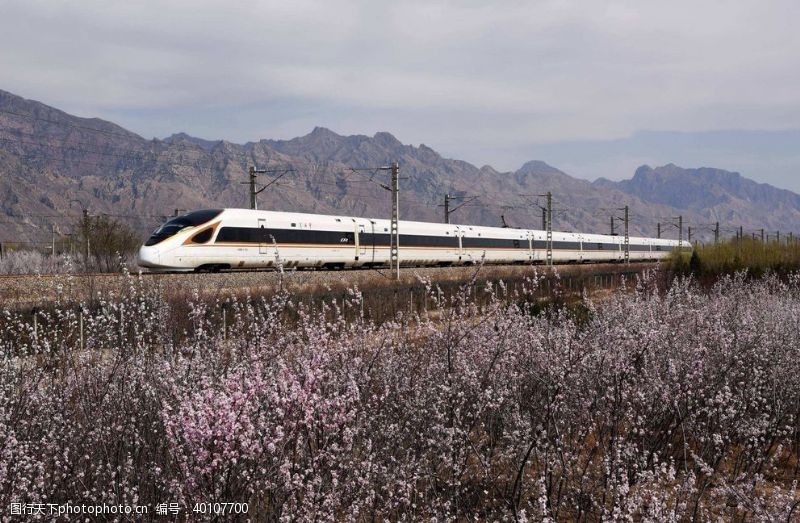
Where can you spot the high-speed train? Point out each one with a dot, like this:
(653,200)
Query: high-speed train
(230,239)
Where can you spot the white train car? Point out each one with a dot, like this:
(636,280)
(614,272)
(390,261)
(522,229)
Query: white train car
(229,239)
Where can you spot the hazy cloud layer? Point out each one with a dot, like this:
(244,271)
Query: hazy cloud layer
(487,82)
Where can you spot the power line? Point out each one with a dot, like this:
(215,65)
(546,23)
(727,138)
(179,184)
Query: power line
(448,211)
(345,184)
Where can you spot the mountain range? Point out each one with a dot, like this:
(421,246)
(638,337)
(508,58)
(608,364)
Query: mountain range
(53,165)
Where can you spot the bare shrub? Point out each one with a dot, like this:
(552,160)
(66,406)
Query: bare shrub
(34,262)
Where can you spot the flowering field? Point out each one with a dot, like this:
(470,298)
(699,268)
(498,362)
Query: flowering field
(647,405)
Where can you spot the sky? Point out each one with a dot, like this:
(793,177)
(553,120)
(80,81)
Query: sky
(594,88)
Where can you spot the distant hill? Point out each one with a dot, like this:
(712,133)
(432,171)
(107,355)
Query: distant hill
(53,163)
(713,194)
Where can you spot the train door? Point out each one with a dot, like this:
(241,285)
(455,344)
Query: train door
(529,239)
(459,232)
(262,236)
(370,244)
(361,247)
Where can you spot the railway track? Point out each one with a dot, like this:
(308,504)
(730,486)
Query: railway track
(365,270)
(29,291)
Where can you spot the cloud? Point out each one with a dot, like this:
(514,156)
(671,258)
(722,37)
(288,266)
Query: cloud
(470,78)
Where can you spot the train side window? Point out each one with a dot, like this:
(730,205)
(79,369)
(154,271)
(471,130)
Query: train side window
(202,236)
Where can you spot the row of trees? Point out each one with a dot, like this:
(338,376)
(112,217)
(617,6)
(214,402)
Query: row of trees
(754,256)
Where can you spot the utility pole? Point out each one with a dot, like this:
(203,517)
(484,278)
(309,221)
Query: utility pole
(253,172)
(762,235)
(778,236)
(741,232)
(541,208)
(448,211)
(85,225)
(547,221)
(716,233)
(658,230)
(627,239)
(689,238)
(549,228)
(680,231)
(394,240)
(613,233)
(394,233)
(86,231)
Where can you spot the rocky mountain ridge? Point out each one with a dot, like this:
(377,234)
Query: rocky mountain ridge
(53,164)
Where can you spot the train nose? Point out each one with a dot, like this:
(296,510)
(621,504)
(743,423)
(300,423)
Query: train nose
(149,257)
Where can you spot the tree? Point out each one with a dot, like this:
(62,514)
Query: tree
(695,265)
(106,242)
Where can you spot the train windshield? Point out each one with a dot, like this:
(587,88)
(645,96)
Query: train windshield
(175,225)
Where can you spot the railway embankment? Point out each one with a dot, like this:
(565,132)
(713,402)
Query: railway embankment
(20,292)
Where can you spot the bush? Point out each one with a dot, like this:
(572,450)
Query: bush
(733,256)
(652,406)
(34,262)
(112,244)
